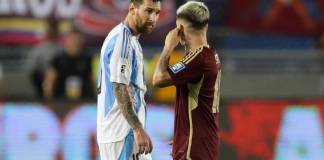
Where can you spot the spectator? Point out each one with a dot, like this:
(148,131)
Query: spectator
(70,74)
(321,43)
(40,56)
(321,51)
(320,46)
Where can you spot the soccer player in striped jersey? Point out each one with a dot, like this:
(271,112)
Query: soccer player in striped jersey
(197,81)
(121,87)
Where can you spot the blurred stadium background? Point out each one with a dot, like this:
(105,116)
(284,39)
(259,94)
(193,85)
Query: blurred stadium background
(272,89)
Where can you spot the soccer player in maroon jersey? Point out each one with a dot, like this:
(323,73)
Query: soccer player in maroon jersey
(197,81)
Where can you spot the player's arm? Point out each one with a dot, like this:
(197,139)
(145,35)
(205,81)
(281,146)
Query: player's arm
(161,77)
(51,75)
(50,79)
(127,109)
(126,106)
(120,68)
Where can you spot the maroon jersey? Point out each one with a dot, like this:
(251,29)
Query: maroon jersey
(196,129)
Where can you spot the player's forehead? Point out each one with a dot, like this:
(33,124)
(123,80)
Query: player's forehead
(150,4)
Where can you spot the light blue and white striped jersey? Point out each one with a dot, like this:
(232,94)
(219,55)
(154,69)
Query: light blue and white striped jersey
(121,61)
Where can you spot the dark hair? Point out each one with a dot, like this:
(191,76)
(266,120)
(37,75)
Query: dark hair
(139,2)
(53,29)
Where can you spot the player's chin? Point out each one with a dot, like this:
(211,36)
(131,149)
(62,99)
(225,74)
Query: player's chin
(148,29)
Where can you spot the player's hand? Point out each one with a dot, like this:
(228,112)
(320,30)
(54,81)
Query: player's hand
(172,39)
(143,141)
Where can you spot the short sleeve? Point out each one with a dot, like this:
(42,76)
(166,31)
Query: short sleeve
(188,70)
(120,60)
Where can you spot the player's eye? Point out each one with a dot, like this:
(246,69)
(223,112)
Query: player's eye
(149,11)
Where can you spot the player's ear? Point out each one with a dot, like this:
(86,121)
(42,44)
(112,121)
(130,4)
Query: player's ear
(206,27)
(181,30)
(131,8)
(181,34)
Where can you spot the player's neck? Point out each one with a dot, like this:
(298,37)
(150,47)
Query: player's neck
(195,42)
(131,25)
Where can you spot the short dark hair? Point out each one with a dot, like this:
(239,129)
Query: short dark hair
(139,2)
(53,30)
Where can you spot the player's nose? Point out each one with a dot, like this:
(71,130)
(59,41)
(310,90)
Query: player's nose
(153,18)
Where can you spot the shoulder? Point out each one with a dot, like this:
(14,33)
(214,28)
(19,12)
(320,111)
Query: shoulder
(210,54)
(209,50)
(118,34)
(211,60)
(193,56)
(120,30)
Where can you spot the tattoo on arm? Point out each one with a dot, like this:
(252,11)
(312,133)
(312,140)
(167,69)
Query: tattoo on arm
(126,106)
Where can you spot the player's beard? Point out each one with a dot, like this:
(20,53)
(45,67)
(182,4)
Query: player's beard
(143,28)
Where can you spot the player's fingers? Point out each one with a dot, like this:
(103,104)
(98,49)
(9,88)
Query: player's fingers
(151,146)
(174,31)
(147,149)
(137,156)
(141,148)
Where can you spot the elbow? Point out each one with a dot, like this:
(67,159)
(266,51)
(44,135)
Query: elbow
(161,80)
(156,81)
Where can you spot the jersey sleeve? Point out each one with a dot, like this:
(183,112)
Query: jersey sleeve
(188,70)
(120,60)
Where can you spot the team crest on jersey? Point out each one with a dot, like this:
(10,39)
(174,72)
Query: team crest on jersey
(177,67)
(122,69)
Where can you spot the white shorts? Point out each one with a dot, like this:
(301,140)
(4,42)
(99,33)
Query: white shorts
(121,150)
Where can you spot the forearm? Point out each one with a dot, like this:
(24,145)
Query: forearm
(126,106)
(50,78)
(161,76)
